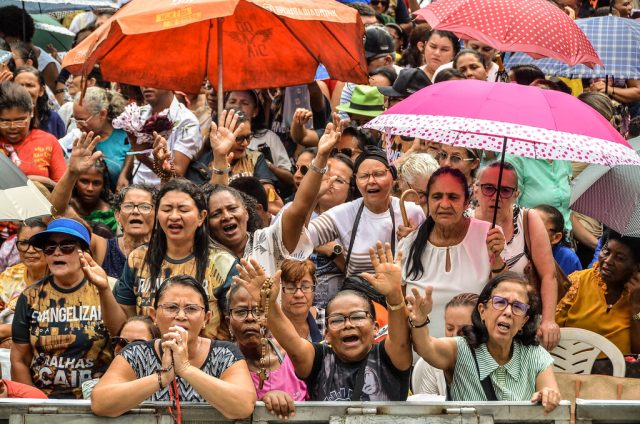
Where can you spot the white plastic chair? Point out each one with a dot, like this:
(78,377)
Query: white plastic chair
(578,349)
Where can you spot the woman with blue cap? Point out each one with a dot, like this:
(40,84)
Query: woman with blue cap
(59,337)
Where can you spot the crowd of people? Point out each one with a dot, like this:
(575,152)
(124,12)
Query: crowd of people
(265,254)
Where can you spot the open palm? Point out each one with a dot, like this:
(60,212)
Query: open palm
(388,276)
(83,155)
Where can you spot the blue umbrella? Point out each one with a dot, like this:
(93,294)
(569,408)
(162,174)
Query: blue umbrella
(615,39)
(46,6)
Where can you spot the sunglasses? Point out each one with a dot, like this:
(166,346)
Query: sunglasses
(120,342)
(346,151)
(303,169)
(23,246)
(377,2)
(489,190)
(517,308)
(66,247)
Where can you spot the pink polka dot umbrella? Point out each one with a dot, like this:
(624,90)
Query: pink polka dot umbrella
(508,118)
(536,27)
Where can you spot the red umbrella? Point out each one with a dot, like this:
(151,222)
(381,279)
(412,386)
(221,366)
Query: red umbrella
(536,27)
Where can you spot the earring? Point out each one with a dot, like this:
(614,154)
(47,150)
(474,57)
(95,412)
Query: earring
(520,332)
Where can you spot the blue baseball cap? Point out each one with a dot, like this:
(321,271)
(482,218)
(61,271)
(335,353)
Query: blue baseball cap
(63,226)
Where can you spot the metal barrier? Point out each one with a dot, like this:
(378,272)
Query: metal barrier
(21,411)
(607,411)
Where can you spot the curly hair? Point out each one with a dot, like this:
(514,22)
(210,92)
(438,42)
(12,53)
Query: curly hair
(477,334)
(17,23)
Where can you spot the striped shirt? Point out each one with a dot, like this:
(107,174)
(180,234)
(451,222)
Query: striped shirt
(514,381)
(337,224)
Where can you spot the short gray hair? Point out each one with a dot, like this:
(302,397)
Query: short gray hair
(97,99)
(417,165)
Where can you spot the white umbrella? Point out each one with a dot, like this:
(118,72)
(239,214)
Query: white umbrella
(46,6)
(19,197)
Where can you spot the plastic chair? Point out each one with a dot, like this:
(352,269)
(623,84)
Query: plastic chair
(578,349)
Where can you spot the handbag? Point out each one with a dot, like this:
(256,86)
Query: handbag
(531,272)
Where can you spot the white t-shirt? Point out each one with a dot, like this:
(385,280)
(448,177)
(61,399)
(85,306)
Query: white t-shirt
(337,224)
(428,379)
(491,75)
(265,246)
(185,138)
(470,269)
(278,152)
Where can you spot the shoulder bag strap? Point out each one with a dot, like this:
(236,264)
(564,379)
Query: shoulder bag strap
(357,389)
(487,386)
(393,228)
(354,230)
(525,229)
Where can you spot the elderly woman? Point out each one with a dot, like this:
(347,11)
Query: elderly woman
(298,286)
(516,254)
(21,143)
(133,208)
(228,216)
(282,387)
(96,111)
(13,280)
(497,358)
(414,173)
(449,251)
(179,365)
(358,224)
(59,337)
(605,299)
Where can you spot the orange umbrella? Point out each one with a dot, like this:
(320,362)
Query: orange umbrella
(175,44)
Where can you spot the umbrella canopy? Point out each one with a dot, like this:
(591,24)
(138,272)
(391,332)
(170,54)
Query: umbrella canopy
(610,195)
(615,39)
(542,124)
(537,27)
(46,6)
(50,31)
(173,45)
(19,197)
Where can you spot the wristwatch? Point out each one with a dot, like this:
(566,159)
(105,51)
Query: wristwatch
(217,171)
(635,317)
(314,168)
(337,250)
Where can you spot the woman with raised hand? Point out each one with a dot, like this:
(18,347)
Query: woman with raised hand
(498,357)
(350,366)
(181,364)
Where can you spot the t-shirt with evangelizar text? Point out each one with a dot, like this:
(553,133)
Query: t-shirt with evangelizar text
(69,341)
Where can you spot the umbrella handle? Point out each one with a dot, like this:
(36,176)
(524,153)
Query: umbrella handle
(403,209)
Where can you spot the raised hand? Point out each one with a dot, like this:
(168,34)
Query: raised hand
(301,116)
(83,155)
(388,277)
(223,135)
(93,272)
(161,152)
(252,276)
(419,306)
(328,140)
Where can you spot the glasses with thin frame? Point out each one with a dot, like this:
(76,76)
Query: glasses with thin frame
(518,308)
(172,310)
(17,123)
(84,122)
(144,208)
(489,190)
(356,318)
(455,159)
(66,247)
(379,174)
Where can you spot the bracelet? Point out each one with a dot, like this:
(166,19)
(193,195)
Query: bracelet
(499,270)
(314,168)
(159,374)
(413,325)
(396,307)
(635,317)
(217,171)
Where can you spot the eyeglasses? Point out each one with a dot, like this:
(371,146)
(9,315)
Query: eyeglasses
(454,158)
(377,2)
(143,208)
(303,169)
(356,318)
(84,122)
(66,247)
(23,246)
(119,343)
(292,288)
(244,138)
(421,193)
(375,174)
(241,314)
(489,190)
(346,151)
(18,123)
(172,310)
(517,308)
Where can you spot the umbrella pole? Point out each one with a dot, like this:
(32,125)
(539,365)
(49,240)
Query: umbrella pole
(495,209)
(220,74)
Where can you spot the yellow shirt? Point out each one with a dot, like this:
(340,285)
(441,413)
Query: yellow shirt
(12,283)
(585,306)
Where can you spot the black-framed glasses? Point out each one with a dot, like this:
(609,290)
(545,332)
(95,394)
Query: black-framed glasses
(346,151)
(244,138)
(241,314)
(356,318)
(517,308)
(119,343)
(303,169)
(292,288)
(377,2)
(144,208)
(173,309)
(455,159)
(23,246)
(66,247)
(489,190)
